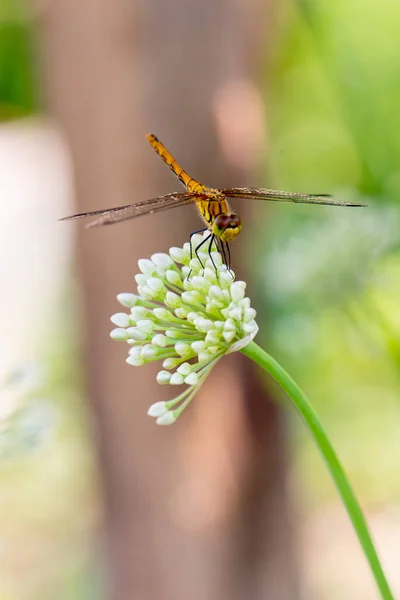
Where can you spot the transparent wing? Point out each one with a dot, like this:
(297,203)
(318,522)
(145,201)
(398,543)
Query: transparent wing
(139,209)
(278,196)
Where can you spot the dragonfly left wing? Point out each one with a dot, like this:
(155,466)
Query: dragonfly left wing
(278,196)
(139,209)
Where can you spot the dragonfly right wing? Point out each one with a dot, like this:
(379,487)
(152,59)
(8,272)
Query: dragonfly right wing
(278,196)
(139,209)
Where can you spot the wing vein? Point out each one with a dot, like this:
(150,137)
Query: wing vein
(280,196)
(132,211)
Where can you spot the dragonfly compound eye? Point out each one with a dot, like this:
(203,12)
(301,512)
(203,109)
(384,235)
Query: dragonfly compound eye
(227,227)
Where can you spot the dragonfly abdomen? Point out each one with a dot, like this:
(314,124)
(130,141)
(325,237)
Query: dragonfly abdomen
(191,184)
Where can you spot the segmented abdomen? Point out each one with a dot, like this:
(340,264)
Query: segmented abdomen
(191,184)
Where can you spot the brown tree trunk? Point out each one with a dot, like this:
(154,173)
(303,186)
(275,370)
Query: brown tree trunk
(197,510)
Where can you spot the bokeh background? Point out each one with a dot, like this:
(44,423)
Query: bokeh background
(314,107)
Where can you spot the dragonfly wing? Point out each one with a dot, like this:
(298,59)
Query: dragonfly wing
(278,196)
(131,211)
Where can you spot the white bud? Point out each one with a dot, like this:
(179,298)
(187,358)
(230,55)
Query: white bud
(155,284)
(163,377)
(210,274)
(212,337)
(162,260)
(157,409)
(182,349)
(173,278)
(215,292)
(226,278)
(203,325)
(249,314)
(188,297)
(176,379)
(184,369)
(199,283)
(141,279)
(121,320)
(230,325)
(197,238)
(174,334)
(145,292)
(162,313)
(146,266)
(250,327)
(198,346)
(166,419)
(145,325)
(149,351)
(191,317)
(228,336)
(245,303)
(236,313)
(185,274)
(178,255)
(172,300)
(170,363)
(209,264)
(181,313)
(136,334)
(135,361)
(138,313)
(120,335)
(159,340)
(126,299)
(195,264)
(237,290)
(192,379)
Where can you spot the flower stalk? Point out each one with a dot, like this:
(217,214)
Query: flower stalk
(303,406)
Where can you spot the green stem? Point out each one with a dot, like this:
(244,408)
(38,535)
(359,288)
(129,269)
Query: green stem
(353,508)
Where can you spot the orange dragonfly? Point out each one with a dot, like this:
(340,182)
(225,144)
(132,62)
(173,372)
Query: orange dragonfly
(222,224)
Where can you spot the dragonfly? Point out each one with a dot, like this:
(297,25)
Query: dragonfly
(212,205)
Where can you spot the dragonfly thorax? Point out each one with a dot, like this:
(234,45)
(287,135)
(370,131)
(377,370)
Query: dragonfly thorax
(227,227)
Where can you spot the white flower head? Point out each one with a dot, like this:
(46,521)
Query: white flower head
(188,312)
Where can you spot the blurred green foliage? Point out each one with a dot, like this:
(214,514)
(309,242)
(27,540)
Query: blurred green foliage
(17,82)
(331,277)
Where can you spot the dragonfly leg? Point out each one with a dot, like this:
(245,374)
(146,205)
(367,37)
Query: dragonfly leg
(209,252)
(197,248)
(229,258)
(224,249)
(221,243)
(191,235)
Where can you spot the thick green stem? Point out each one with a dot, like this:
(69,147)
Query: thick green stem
(353,508)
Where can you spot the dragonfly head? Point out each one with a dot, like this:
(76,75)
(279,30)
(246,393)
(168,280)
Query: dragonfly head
(227,227)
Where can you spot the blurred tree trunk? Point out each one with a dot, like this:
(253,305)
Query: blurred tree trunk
(197,510)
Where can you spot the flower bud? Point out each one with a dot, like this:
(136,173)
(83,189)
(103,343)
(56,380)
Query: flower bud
(157,409)
(121,320)
(162,260)
(163,377)
(127,300)
(120,335)
(166,419)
